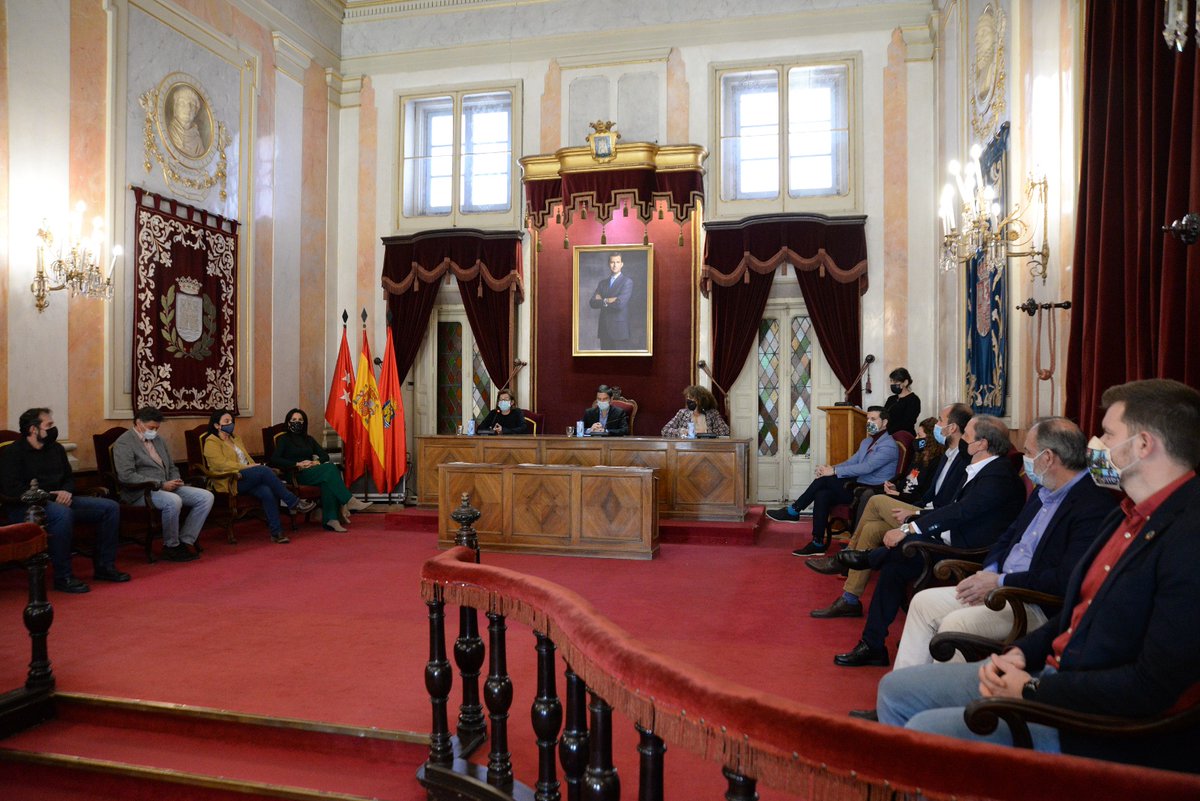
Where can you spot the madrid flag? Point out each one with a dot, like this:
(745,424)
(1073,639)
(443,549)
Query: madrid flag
(368,422)
(394,453)
(339,409)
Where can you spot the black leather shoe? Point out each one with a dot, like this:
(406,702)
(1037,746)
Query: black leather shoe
(839,608)
(71,585)
(110,574)
(865,714)
(812,549)
(863,655)
(853,560)
(825,565)
(179,553)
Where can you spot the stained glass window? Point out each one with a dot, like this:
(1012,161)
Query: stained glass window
(449,377)
(768,387)
(481,387)
(801,408)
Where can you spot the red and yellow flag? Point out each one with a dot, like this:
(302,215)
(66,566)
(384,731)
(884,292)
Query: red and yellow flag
(394,450)
(339,409)
(368,436)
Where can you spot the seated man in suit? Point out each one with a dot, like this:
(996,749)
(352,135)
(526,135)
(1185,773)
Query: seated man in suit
(38,454)
(1038,552)
(604,418)
(871,465)
(883,509)
(989,500)
(139,456)
(1127,643)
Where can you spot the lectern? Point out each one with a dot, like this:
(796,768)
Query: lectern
(845,427)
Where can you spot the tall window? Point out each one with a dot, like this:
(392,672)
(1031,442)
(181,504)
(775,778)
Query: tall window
(812,159)
(782,364)
(458,151)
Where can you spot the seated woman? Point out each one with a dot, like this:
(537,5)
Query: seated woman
(700,408)
(296,450)
(226,453)
(911,487)
(506,418)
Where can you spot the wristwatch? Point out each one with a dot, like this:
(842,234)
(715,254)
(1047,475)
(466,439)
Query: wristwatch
(906,529)
(1029,690)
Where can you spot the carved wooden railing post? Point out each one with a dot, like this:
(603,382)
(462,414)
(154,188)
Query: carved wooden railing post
(468,646)
(39,614)
(438,680)
(574,745)
(650,771)
(547,719)
(741,788)
(600,781)
(498,694)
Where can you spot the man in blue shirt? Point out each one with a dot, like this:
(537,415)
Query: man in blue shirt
(876,461)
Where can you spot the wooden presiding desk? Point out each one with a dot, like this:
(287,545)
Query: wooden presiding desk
(698,479)
(561,509)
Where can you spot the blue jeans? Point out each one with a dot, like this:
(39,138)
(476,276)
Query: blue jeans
(60,529)
(931,698)
(261,482)
(199,503)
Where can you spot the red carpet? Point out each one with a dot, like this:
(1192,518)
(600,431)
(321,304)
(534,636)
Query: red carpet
(331,628)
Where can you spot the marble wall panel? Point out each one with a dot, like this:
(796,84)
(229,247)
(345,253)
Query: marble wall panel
(639,106)
(587,101)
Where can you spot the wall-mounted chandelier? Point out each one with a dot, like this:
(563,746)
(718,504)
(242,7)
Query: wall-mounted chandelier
(75,265)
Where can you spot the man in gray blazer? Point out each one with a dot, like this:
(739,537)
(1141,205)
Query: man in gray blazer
(139,456)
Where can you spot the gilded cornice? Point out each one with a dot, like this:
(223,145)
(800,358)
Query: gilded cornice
(631,156)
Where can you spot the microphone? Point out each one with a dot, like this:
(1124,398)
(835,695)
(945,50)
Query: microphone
(870,357)
(518,365)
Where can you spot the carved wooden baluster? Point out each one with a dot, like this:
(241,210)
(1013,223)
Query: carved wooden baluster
(468,646)
(547,719)
(438,679)
(39,614)
(741,788)
(650,772)
(573,747)
(600,781)
(498,695)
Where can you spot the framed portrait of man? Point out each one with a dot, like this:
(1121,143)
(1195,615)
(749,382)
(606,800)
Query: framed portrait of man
(612,301)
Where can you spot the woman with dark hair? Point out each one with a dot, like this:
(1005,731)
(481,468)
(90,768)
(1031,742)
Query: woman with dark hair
(903,406)
(296,450)
(911,488)
(507,417)
(226,453)
(700,409)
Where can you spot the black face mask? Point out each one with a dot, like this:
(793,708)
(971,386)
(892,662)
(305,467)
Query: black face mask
(296,427)
(896,389)
(921,443)
(49,436)
(691,405)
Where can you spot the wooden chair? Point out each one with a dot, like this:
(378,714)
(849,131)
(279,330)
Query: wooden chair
(270,437)
(840,521)
(232,507)
(982,717)
(537,421)
(627,405)
(140,524)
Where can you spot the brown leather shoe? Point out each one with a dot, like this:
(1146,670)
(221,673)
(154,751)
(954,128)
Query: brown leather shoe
(825,565)
(839,608)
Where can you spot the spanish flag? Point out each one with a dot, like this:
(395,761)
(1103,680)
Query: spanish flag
(368,412)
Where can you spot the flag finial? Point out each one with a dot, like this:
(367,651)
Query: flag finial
(364,316)
(345,317)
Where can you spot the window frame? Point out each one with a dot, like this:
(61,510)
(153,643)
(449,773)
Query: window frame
(782,200)
(408,186)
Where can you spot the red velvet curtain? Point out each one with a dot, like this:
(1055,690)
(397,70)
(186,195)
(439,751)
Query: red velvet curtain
(830,258)
(487,266)
(605,193)
(1136,290)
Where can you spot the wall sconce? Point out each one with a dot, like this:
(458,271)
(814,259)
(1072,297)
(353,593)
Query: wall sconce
(1175,23)
(75,265)
(983,230)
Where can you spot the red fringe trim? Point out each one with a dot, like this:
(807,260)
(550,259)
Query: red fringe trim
(418,275)
(822,261)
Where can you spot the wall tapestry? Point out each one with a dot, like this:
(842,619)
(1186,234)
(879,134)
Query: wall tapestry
(185,307)
(987,301)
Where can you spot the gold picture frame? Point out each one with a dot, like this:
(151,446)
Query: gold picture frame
(612,317)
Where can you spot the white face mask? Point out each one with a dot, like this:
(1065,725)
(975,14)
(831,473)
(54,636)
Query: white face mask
(1038,479)
(149,435)
(1101,466)
(602,405)
(504,405)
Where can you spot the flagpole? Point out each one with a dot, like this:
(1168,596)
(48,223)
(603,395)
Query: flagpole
(365,494)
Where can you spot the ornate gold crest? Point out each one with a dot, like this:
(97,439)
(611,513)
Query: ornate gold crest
(183,135)
(603,140)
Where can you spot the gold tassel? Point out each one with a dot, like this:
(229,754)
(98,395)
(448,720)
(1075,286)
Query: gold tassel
(558,217)
(646,236)
(660,213)
(681,235)
(566,243)
(583,212)
(603,237)
(625,209)
(539,244)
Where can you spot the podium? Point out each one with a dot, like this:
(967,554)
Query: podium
(845,427)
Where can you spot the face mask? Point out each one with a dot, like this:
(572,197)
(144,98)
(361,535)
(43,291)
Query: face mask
(691,405)
(1101,467)
(228,428)
(1037,479)
(939,434)
(149,435)
(296,427)
(872,427)
(49,436)
(504,405)
(896,389)
(602,405)
(921,443)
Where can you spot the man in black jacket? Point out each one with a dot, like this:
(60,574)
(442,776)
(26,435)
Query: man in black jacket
(1038,552)
(1127,643)
(39,455)
(989,500)
(604,418)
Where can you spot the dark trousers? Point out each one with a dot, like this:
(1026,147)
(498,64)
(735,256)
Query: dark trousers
(60,528)
(261,482)
(895,572)
(824,494)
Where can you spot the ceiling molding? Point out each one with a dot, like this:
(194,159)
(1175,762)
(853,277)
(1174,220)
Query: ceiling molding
(290,58)
(356,11)
(266,14)
(574,62)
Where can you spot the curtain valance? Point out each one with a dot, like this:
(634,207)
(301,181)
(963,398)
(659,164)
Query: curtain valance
(492,257)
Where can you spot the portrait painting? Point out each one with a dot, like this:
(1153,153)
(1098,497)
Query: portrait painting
(186,122)
(612,300)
